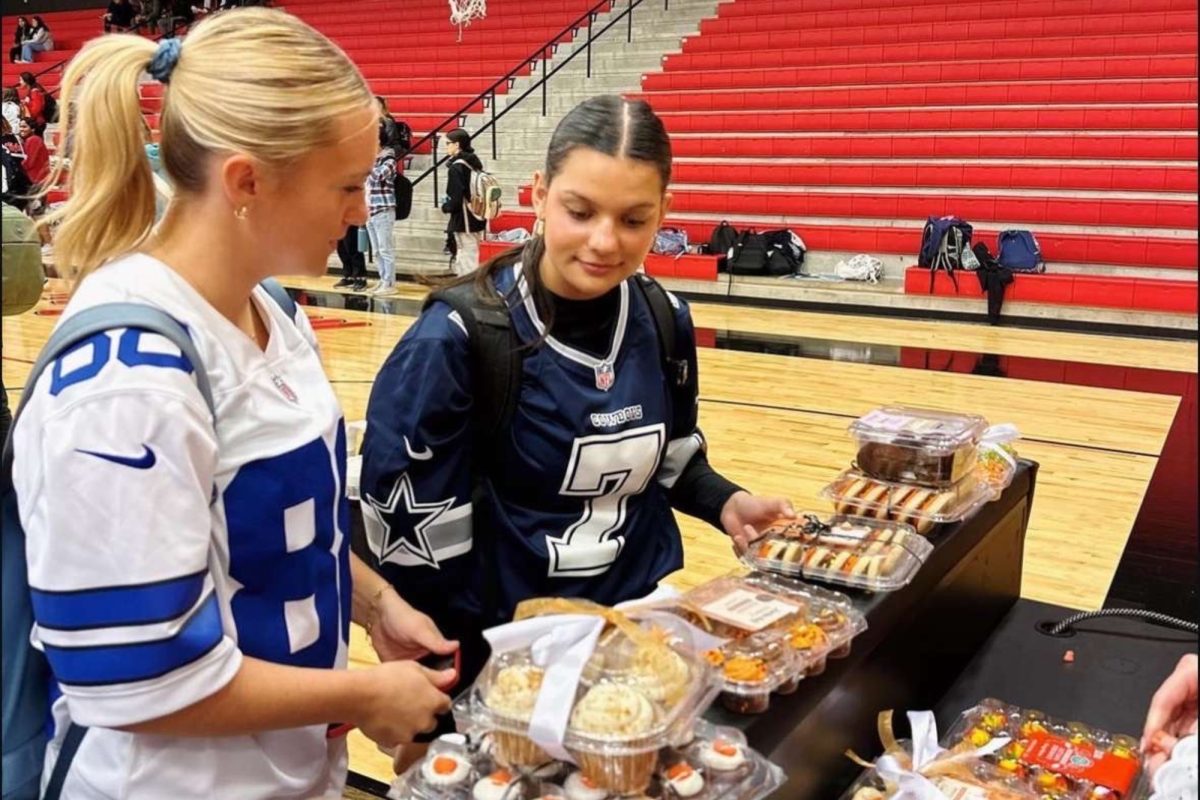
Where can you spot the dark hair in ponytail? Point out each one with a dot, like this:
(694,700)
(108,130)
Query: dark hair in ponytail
(607,124)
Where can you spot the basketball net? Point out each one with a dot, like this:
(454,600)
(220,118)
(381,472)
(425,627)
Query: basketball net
(463,11)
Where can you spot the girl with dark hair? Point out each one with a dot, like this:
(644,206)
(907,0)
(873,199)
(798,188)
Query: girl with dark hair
(573,496)
(466,229)
(23,31)
(33,100)
(37,40)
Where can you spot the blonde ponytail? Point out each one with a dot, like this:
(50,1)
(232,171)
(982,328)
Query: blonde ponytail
(110,207)
(253,80)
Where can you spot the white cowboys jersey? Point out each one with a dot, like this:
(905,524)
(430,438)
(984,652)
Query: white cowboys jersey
(161,551)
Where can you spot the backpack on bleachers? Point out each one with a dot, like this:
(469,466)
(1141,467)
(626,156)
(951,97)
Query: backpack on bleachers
(721,243)
(1019,251)
(861,267)
(484,201)
(785,253)
(749,255)
(946,245)
(670,242)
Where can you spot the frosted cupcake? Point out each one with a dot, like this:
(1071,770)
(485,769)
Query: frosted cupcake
(513,693)
(621,715)
(579,787)
(445,771)
(684,780)
(500,785)
(725,759)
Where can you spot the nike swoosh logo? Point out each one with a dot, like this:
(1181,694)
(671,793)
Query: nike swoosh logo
(423,455)
(145,461)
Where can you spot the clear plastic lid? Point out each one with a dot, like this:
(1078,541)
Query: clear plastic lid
(858,494)
(634,696)
(757,664)
(829,621)
(1063,757)
(928,429)
(859,552)
(911,445)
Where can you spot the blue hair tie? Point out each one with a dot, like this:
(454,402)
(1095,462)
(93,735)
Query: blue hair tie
(165,59)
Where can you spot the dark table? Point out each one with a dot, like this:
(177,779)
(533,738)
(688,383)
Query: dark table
(919,641)
(1119,664)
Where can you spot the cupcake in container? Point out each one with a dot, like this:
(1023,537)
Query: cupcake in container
(613,737)
(511,692)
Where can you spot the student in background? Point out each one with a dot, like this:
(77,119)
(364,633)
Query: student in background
(466,228)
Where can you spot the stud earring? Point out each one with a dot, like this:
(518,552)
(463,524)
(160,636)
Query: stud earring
(242,212)
(539,227)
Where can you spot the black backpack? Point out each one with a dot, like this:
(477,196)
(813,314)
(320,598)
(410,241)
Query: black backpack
(49,108)
(749,254)
(404,193)
(403,142)
(784,255)
(496,355)
(723,238)
(19,187)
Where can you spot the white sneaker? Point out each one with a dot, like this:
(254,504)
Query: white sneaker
(382,288)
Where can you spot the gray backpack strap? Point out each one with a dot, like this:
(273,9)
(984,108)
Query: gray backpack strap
(280,296)
(70,333)
(103,318)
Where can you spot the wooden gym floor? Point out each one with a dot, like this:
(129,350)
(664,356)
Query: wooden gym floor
(778,389)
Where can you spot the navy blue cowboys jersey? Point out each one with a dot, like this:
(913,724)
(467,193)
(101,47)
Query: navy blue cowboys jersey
(578,502)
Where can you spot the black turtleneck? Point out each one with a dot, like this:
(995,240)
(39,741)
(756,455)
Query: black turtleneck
(587,325)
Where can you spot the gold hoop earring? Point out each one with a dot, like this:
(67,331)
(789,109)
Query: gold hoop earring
(242,212)
(539,227)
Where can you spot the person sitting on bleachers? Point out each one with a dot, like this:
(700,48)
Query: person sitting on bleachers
(12,107)
(38,40)
(37,157)
(22,32)
(33,99)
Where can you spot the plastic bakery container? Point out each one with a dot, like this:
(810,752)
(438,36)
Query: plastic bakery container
(858,494)
(916,445)
(859,552)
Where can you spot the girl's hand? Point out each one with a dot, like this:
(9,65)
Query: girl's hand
(745,516)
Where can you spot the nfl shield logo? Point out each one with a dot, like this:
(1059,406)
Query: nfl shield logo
(605,376)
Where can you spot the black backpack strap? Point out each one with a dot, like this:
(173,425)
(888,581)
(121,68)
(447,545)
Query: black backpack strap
(62,765)
(663,311)
(496,356)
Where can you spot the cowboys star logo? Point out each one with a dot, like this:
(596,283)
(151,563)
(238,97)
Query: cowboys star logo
(409,522)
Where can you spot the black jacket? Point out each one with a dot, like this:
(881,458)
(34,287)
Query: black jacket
(458,190)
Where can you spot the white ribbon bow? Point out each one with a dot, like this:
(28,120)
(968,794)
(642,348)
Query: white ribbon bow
(925,750)
(561,645)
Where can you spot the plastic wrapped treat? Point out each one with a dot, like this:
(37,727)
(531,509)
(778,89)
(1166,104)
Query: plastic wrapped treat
(857,494)
(826,626)
(859,552)
(610,707)
(1063,760)
(917,446)
(753,668)
(724,756)
(755,661)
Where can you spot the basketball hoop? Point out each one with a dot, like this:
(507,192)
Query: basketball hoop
(463,11)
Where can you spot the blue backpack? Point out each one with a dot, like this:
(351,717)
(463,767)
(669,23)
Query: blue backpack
(671,242)
(26,674)
(1019,251)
